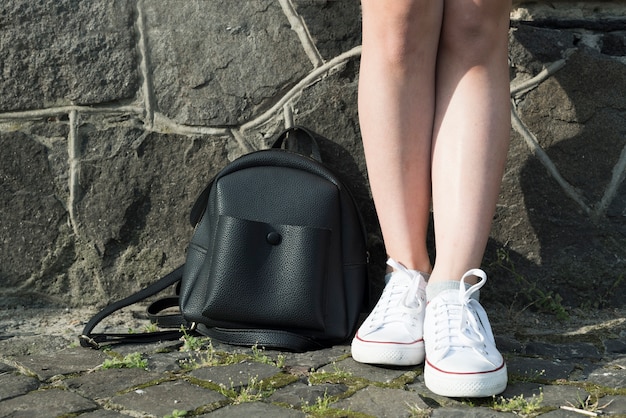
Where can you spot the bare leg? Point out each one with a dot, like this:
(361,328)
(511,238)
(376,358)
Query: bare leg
(396,111)
(471,134)
(433,106)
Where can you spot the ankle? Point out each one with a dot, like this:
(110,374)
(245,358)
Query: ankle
(394,266)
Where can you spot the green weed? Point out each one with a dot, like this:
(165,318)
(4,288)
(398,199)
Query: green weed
(320,408)
(191,342)
(520,405)
(130,361)
(176,413)
(544,301)
(259,356)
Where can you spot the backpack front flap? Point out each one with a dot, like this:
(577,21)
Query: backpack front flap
(269,252)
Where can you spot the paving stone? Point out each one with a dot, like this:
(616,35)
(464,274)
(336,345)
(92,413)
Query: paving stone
(560,413)
(570,351)
(366,371)
(256,410)
(536,368)
(16,385)
(617,346)
(525,389)
(468,412)
(299,393)
(162,399)
(103,413)
(167,362)
(314,360)
(419,386)
(609,376)
(106,383)
(508,345)
(45,366)
(148,348)
(236,375)
(45,404)
(612,404)
(382,402)
(562,395)
(619,362)
(25,345)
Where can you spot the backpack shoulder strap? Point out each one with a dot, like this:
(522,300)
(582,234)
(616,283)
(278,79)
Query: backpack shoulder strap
(89,339)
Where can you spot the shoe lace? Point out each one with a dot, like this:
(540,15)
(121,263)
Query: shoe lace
(400,296)
(467,325)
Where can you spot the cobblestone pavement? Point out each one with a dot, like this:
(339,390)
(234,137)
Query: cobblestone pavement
(578,364)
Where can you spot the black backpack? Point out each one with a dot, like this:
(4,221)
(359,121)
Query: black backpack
(278,257)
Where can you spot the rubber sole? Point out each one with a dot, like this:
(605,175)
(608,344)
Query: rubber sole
(466,385)
(390,354)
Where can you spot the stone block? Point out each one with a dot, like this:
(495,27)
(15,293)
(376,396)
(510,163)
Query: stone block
(133,206)
(33,224)
(236,376)
(47,403)
(321,18)
(95,199)
(62,52)
(160,400)
(12,386)
(220,63)
(65,362)
(383,402)
(560,216)
(258,410)
(107,383)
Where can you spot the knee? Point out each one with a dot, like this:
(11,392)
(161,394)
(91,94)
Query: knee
(475,29)
(399,32)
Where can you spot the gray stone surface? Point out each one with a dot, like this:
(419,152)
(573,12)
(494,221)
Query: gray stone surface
(107,383)
(12,386)
(383,402)
(46,366)
(236,376)
(256,410)
(63,52)
(222,380)
(162,399)
(46,403)
(533,368)
(111,127)
(220,63)
(301,394)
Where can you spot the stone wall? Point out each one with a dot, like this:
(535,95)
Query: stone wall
(115,113)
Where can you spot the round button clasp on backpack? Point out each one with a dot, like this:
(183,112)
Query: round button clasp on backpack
(274,238)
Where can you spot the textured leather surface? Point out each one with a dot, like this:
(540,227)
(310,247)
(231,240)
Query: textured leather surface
(269,282)
(307,279)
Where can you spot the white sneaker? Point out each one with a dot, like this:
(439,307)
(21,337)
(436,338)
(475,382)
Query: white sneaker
(393,332)
(461,355)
